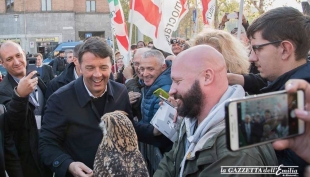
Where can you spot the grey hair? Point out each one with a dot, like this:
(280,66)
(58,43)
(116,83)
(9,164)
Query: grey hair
(154,53)
(139,52)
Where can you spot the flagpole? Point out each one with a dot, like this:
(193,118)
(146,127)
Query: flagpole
(197,23)
(240,19)
(130,33)
(196,20)
(113,51)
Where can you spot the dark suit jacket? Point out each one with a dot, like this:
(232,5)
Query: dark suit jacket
(47,74)
(70,130)
(63,79)
(24,132)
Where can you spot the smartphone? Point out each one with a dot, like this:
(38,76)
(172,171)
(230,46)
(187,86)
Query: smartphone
(232,15)
(161,92)
(260,119)
(31,64)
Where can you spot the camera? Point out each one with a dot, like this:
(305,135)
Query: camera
(174,41)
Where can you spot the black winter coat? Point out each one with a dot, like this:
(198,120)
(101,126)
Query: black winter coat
(47,74)
(63,79)
(70,130)
(9,121)
(23,155)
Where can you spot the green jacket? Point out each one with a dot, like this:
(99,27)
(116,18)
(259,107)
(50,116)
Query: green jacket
(212,156)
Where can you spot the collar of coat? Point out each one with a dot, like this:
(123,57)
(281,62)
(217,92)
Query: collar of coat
(301,72)
(82,94)
(67,75)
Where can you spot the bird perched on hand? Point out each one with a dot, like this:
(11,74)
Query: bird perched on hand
(118,153)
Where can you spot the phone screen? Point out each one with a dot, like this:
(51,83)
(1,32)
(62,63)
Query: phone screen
(31,64)
(267,118)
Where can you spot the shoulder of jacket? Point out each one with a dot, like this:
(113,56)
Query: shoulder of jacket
(64,90)
(116,86)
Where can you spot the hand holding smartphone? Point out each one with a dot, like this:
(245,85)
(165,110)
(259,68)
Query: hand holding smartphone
(260,119)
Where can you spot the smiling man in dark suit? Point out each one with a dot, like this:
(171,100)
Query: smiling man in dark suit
(23,153)
(45,71)
(70,133)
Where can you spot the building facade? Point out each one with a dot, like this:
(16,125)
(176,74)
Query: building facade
(39,25)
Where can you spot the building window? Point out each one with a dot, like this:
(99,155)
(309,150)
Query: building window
(90,6)
(46,5)
(9,5)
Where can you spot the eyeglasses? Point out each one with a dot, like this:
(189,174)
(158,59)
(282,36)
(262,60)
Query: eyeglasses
(257,47)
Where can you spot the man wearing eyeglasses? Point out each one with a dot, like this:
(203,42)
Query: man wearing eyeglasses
(279,47)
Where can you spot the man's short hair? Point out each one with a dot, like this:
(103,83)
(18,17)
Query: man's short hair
(142,42)
(70,51)
(117,52)
(38,54)
(133,47)
(155,53)
(97,46)
(284,23)
(9,42)
(76,50)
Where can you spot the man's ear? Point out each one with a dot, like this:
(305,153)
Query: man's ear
(164,67)
(208,75)
(75,61)
(288,49)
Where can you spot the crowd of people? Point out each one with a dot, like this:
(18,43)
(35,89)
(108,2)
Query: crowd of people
(51,123)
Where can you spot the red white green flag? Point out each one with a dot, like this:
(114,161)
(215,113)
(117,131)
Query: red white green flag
(119,28)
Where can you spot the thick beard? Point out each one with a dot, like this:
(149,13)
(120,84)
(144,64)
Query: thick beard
(191,101)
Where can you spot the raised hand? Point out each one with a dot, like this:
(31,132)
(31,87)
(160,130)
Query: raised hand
(27,84)
(299,144)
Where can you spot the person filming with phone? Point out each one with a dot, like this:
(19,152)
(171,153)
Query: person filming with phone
(18,85)
(299,144)
(280,54)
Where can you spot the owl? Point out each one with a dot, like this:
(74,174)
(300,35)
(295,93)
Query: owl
(118,153)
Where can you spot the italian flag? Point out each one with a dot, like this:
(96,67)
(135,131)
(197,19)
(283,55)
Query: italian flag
(119,28)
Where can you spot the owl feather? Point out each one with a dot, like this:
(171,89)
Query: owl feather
(118,153)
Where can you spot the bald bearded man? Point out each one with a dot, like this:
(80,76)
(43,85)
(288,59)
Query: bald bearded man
(200,88)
